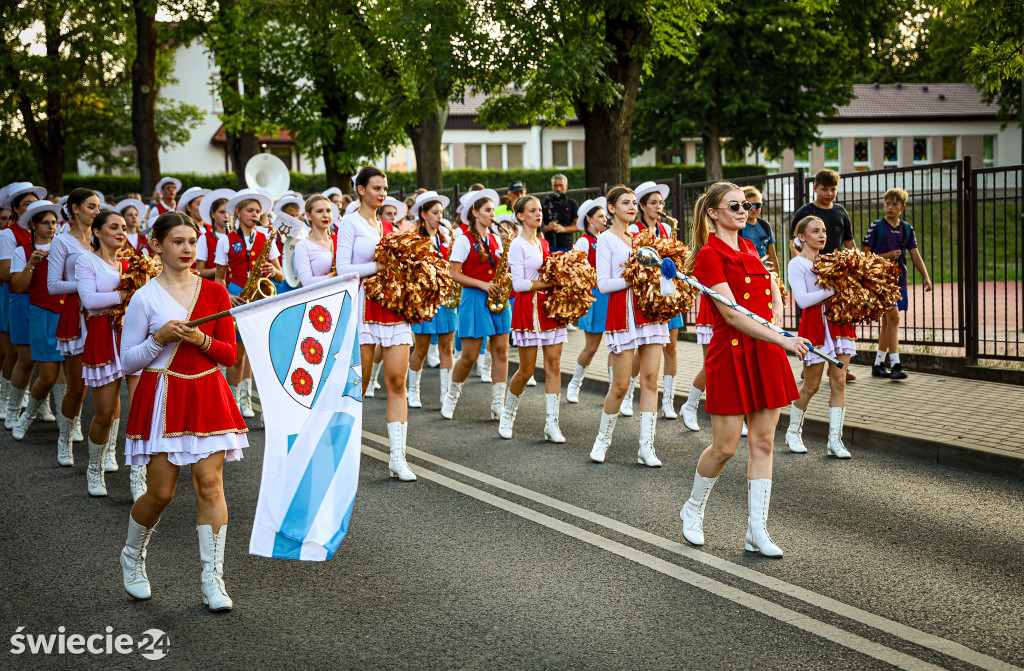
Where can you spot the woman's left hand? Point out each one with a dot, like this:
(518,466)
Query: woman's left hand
(190,334)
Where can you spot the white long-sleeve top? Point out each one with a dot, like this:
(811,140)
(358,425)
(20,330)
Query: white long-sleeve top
(804,283)
(98,284)
(524,263)
(149,309)
(612,255)
(7,244)
(312,262)
(65,251)
(357,241)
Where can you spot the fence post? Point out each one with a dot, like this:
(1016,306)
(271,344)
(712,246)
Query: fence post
(968,224)
(455,198)
(798,191)
(677,201)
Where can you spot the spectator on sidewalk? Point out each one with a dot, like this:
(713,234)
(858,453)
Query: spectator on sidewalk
(559,216)
(891,237)
(759,231)
(516,190)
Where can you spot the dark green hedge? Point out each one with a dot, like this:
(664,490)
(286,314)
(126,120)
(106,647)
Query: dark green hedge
(536,180)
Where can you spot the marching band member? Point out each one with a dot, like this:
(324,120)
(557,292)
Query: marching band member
(358,237)
(83,206)
(476,266)
(14,337)
(135,239)
(747,370)
(531,326)
(315,254)
(428,210)
(629,335)
(336,196)
(236,253)
(182,411)
(291,206)
(651,200)
(837,340)
(395,212)
(43,313)
(167,190)
(189,203)
(214,213)
(592,219)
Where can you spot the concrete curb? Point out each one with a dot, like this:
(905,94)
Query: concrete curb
(932,451)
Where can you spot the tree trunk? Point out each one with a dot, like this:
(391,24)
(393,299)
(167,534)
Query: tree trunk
(712,154)
(334,99)
(628,31)
(426,143)
(240,146)
(147,145)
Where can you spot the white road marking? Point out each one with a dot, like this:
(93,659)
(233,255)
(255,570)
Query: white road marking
(907,633)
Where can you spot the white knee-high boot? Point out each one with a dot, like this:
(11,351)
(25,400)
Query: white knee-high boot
(76,429)
(759,495)
(26,419)
(14,407)
(412,389)
(497,399)
(211,554)
(110,456)
(451,399)
(245,398)
(5,390)
(133,557)
(668,398)
(397,465)
(94,473)
(689,409)
(373,385)
(835,433)
(508,415)
(692,513)
(446,381)
(572,392)
(65,453)
(646,455)
(626,409)
(137,481)
(794,437)
(604,437)
(433,356)
(552,433)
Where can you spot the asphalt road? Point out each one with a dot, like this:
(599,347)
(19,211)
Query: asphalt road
(523,555)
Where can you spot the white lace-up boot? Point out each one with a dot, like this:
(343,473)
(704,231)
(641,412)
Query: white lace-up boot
(45,412)
(743,431)
(446,381)
(626,409)
(211,554)
(397,466)
(76,430)
(374,385)
(433,356)
(794,434)
(668,398)
(245,398)
(451,399)
(552,433)
(235,391)
(692,513)
(835,433)
(532,382)
(65,453)
(689,409)
(508,415)
(572,392)
(137,481)
(604,438)
(5,390)
(26,419)
(646,455)
(759,496)
(58,392)
(110,456)
(94,473)
(497,399)
(133,559)
(412,389)
(13,407)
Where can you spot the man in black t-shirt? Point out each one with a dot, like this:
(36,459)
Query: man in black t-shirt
(559,216)
(838,227)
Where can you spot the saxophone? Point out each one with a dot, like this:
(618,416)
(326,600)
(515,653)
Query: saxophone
(257,286)
(675,226)
(455,297)
(502,278)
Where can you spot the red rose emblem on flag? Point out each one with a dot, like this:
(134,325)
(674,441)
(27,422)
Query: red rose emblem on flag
(302,382)
(320,318)
(312,351)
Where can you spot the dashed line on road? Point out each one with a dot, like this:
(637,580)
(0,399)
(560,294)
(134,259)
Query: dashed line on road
(891,627)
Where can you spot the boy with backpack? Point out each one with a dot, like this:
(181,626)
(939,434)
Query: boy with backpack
(891,237)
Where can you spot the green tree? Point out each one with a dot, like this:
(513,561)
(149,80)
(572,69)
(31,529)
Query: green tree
(996,63)
(764,74)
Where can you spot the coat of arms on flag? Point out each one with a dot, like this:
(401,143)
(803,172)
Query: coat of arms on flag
(304,350)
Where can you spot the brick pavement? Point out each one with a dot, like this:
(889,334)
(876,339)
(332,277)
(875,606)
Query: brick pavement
(959,422)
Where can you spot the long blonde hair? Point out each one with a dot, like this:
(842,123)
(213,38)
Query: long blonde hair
(702,224)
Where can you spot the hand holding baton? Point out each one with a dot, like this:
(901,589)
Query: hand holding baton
(647,256)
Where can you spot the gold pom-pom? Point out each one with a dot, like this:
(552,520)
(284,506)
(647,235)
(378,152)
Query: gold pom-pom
(781,285)
(574,280)
(413,280)
(866,285)
(646,282)
(140,269)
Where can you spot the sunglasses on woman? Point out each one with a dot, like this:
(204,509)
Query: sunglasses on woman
(735,205)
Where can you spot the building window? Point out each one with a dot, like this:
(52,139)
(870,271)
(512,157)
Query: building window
(831,154)
(474,156)
(891,151)
(446,159)
(494,157)
(560,155)
(515,156)
(989,152)
(862,154)
(921,145)
(699,147)
(949,147)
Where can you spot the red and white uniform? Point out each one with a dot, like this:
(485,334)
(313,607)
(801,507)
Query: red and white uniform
(206,248)
(357,242)
(99,291)
(138,242)
(182,405)
(744,374)
(161,208)
(831,339)
(587,244)
(531,326)
(239,253)
(65,251)
(704,326)
(626,328)
(312,262)
(660,231)
(37,293)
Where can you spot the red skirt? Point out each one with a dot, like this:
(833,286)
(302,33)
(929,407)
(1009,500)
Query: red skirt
(528,313)
(745,374)
(375,313)
(813,324)
(199,405)
(69,326)
(100,341)
(618,318)
(704,311)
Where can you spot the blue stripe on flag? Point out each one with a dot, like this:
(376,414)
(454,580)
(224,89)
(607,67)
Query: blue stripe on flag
(291,441)
(283,333)
(354,381)
(286,548)
(332,545)
(320,472)
(339,338)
